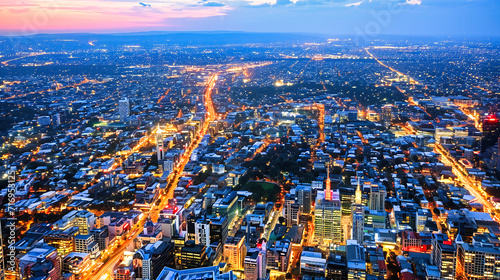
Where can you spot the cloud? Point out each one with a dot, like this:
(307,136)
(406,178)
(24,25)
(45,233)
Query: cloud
(214,4)
(19,10)
(354,4)
(413,2)
(100,15)
(257,3)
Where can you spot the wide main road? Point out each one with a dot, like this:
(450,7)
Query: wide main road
(465,180)
(97,271)
(412,81)
(173,178)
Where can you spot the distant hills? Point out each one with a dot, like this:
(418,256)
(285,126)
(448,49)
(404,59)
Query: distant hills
(182,38)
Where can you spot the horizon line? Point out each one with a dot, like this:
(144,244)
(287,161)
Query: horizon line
(168,32)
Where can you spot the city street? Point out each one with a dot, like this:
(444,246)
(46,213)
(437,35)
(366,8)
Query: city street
(116,254)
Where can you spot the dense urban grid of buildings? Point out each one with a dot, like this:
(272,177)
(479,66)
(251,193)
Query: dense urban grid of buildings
(140,157)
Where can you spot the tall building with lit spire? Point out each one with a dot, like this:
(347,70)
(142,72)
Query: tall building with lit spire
(328,218)
(358,217)
(358,195)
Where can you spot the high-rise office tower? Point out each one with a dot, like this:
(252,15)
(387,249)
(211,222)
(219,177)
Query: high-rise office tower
(62,240)
(124,109)
(291,211)
(327,218)
(491,131)
(168,166)
(358,217)
(303,194)
(84,243)
(356,265)
(202,232)
(101,236)
(477,262)
(235,252)
(160,153)
(443,255)
(358,223)
(347,197)
(422,216)
(255,264)
(278,255)
(85,221)
(387,113)
(377,197)
(150,260)
(56,119)
(192,255)
(218,229)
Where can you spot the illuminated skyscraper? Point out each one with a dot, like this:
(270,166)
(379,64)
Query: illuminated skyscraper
(192,255)
(235,252)
(150,260)
(124,109)
(85,221)
(377,197)
(356,265)
(160,153)
(491,131)
(291,211)
(303,194)
(62,240)
(255,262)
(477,262)
(168,166)
(358,217)
(56,119)
(443,255)
(358,223)
(387,113)
(327,218)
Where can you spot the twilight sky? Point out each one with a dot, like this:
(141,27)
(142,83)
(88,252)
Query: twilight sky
(336,17)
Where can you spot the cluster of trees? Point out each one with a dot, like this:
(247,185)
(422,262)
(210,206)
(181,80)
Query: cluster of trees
(202,176)
(277,162)
(261,191)
(367,94)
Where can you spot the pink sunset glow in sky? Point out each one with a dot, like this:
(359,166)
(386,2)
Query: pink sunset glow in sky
(409,17)
(37,16)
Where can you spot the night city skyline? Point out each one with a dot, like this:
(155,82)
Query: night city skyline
(250,140)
